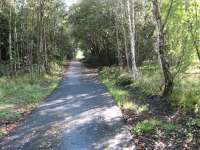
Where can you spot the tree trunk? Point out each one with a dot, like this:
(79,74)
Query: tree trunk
(10,31)
(119,54)
(123,7)
(162,51)
(131,23)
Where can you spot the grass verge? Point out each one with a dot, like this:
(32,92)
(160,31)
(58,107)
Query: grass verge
(152,124)
(19,95)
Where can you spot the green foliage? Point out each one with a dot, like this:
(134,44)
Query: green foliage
(124,80)
(145,127)
(151,80)
(119,95)
(151,125)
(108,77)
(111,77)
(180,46)
(168,127)
(33,35)
(186,92)
(186,88)
(92,28)
(131,106)
(197,122)
(110,73)
(8,115)
(97,28)
(2,134)
(193,122)
(22,93)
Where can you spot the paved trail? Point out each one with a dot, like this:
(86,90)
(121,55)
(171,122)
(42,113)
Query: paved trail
(79,115)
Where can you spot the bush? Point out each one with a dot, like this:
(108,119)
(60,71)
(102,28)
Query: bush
(124,80)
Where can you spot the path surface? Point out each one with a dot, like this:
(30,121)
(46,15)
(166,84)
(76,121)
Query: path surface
(79,115)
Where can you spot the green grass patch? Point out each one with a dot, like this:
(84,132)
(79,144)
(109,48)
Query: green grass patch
(151,125)
(119,95)
(8,115)
(144,127)
(186,93)
(24,92)
(114,82)
(186,85)
(151,82)
(2,134)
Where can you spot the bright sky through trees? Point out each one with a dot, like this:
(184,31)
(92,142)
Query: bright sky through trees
(70,2)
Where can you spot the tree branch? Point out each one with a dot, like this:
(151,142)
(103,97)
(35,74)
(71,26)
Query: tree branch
(168,13)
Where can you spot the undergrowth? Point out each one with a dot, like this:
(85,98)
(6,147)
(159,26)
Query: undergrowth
(175,129)
(152,125)
(186,90)
(20,94)
(113,80)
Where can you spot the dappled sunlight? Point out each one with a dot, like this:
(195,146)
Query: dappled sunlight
(79,109)
(88,74)
(4,106)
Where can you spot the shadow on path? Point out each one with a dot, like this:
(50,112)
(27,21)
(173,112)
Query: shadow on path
(79,115)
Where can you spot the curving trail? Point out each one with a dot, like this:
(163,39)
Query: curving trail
(78,115)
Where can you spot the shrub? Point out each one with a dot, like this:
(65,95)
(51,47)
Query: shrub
(124,80)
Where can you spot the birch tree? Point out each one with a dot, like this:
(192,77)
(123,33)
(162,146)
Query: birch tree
(168,83)
(131,24)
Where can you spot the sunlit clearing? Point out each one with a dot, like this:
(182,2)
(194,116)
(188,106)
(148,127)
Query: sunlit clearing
(79,54)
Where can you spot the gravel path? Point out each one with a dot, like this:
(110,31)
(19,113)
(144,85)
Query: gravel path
(79,115)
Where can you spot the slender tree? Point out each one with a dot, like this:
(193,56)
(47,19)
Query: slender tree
(162,47)
(131,24)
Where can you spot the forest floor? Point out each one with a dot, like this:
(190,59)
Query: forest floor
(153,121)
(79,114)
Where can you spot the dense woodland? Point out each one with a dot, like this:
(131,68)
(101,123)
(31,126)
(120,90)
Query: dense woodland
(33,35)
(132,34)
(149,46)
(34,41)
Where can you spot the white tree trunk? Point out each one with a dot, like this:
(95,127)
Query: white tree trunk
(131,22)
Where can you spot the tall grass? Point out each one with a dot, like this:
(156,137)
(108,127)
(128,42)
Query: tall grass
(186,92)
(20,94)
